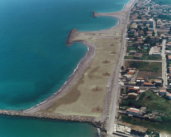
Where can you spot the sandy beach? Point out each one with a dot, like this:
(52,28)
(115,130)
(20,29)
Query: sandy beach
(86,91)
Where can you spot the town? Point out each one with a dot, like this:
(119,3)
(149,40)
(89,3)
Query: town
(145,80)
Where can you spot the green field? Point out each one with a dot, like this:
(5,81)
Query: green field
(150,57)
(146,66)
(151,101)
(130,48)
(129,57)
(153,126)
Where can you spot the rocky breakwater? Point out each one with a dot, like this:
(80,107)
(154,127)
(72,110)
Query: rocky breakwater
(94,14)
(53,116)
(70,36)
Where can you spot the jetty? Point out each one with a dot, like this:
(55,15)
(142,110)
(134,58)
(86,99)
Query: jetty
(94,14)
(54,116)
(69,40)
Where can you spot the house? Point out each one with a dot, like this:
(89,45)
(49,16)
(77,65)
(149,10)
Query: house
(131,68)
(158,82)
(162,91)
(141,32)
(159,22)
(136,34)
(133,26)
(132,31)
(132,111)
(155,39)
(168,45)
(140,25)
(138,130)
(168,96)
(155,51)
(132,51)
(169,57)
(168,51)
(143,110)
(149,32)
(139,79)
(133,90)
(138,55)
(148,84)
(132,95)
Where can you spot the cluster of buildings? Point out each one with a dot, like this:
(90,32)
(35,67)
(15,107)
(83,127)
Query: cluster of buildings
(149,27)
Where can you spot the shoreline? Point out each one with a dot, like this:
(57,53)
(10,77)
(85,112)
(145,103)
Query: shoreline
(87,57)
(90,52)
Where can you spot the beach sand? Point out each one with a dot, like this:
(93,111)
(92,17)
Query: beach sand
(85,93)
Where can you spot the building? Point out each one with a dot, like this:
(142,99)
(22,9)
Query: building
(138,55)
(148,84)
(155,51)
(133,90)
(162,91)
(159,22)
(143,22)
(123,129)
(131,69)
(169,57)
(168,51)
(132,111)
(168,96)
(132,95)
(132,51)
(139,79)
(133,26)
(155,39)
(132,31)
(158,82)
(136,35)
(168,45)
(138,130)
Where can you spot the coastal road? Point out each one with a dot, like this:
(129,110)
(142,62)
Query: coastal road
(143,60)
(114,106)
(111,125)
(164,69)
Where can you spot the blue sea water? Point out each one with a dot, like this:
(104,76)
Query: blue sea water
(34,60)
(32,127)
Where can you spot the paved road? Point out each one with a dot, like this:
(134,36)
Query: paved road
(148,10)
(154,27)
(114,99)
(164,69)
(143,60)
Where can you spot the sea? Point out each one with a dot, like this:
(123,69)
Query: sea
(35,61)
